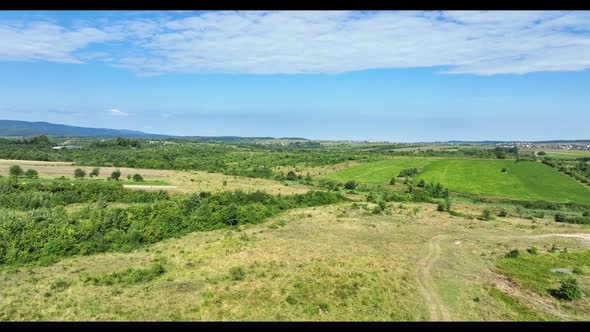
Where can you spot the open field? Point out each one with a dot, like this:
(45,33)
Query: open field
(175,181)
(379,171)
(326,263)
(523,180)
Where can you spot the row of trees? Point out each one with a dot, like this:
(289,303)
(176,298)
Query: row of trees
(79,173)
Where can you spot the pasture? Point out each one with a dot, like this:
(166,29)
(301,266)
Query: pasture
(523,180)
(378,171)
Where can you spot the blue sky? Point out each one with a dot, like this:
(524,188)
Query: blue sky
(395,76)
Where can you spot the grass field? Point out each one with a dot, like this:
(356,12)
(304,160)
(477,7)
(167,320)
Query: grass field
(524,180)
(327,263)
(182,181)
(379,171)
(562,154)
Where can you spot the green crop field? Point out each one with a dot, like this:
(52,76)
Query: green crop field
(379,171)
(524,180)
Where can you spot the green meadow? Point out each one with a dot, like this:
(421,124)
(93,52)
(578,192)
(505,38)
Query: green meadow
(379,171)
(524,180)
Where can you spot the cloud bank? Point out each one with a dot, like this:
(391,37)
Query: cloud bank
(329,42)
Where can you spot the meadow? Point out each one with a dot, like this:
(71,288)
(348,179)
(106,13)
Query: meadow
(523,180)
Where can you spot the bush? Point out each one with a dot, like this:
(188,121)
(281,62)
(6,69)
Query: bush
(586,214)
(392,181)
(16,170)
(129,276)
(115,175)
(533,250)
(444,206)
(503,214)
(31,174)
(409,172)
(568,290)
(237,273)
(291,176)
(137,178)
(422,183)
(95,172)
(515,253)
(350,185)
(79,173)
(504,170)
(380,207)
(486,215)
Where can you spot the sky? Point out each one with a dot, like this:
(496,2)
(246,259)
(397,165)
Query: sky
(403,76)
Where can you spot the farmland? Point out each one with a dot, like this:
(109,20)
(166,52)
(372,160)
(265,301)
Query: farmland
(524,180)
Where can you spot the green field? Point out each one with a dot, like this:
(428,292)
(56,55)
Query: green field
(379,171)
(524,180)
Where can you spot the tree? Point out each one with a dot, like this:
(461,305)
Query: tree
(16,170)
(137,178)
(350,185)
(31,174)
(115,175)
(95,172)
(501,155)
(41,140)
(79,173)
(291,176)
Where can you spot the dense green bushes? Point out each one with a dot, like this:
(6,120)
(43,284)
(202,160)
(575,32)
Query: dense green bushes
(47,234)
(20,195)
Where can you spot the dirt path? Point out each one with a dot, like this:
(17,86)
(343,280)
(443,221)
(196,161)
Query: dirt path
(436,308)
(147,187)
(438,311)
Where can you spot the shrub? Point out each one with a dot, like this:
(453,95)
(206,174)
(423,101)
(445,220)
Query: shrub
(380,207)
(237,273)
(350,185)
(568,290)
(129,276)
(503,214)
(291,176)
(515,253)
(95,172)
(422,183)
(504,170)
(409,172)
(31,174)
(444,205)
(486,215)
(533,250)
(586,214)
(79,173)
(16,170)
(553,248)
(137,178)
(392,181)
(115,175)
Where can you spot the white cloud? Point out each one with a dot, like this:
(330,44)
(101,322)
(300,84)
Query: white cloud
(297,42)
(117,112)
(46,41)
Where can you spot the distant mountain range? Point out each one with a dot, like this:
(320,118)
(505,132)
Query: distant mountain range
(11,128)
(14,128)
